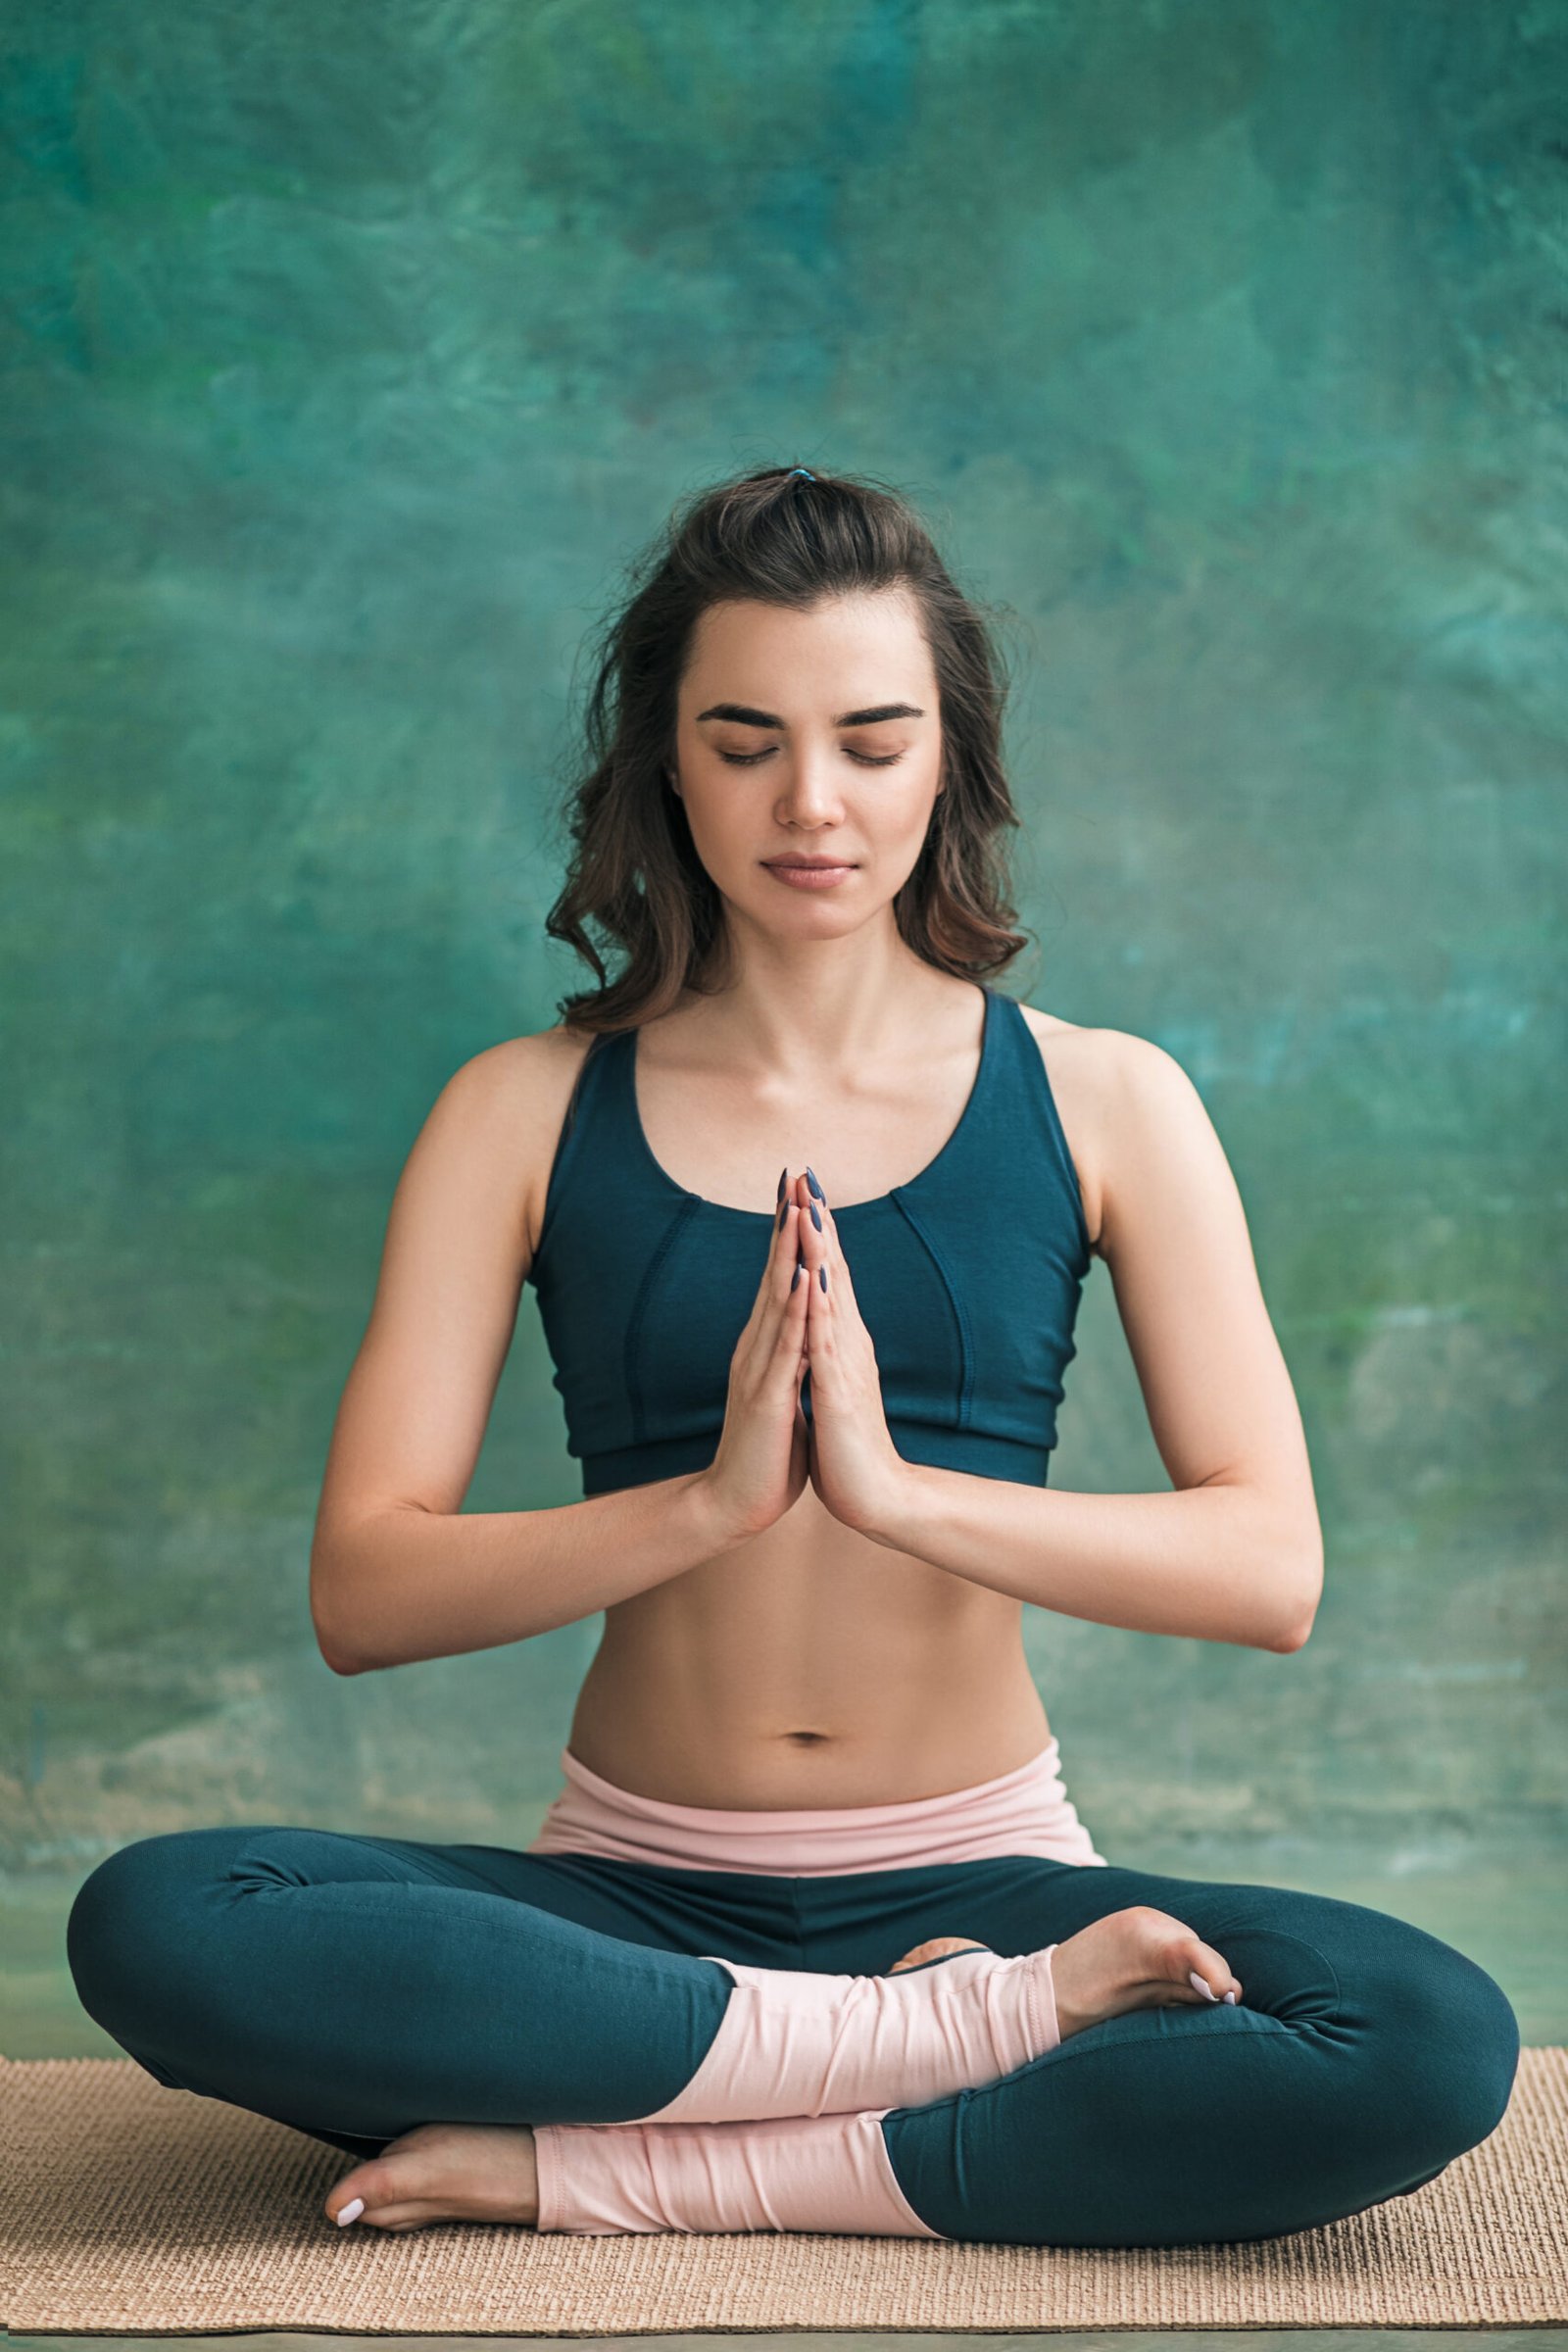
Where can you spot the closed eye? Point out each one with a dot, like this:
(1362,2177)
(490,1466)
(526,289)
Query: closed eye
(750,758)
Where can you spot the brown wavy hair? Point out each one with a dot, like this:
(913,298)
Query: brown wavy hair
(779,538)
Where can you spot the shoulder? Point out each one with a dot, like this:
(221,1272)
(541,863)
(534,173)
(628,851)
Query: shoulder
(506,1106)
(1112,1090)
(519,1077)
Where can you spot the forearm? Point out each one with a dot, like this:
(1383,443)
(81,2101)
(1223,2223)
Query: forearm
(1209,1562)
(407,1583)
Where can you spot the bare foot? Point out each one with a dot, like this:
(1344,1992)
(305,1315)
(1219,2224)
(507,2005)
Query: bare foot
(442,2173)
(1140,1958)
(1135,1959)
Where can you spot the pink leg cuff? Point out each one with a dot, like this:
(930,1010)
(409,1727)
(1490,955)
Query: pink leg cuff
(828,2173)
(796,2042)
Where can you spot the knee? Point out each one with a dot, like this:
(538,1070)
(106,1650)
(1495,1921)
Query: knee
(1484,2038)
(134,1916)
(114,1905)
(1451,2050)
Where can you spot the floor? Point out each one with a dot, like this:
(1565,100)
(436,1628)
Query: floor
(1510,1916)
(1225,2339)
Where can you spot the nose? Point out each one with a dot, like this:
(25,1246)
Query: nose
(810,793)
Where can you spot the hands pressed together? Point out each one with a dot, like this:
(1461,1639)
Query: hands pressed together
(804,1319)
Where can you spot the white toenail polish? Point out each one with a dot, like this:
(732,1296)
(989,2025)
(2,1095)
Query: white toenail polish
(1193,1977)
(351,2212)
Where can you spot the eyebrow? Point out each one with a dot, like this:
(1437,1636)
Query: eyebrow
(744,716)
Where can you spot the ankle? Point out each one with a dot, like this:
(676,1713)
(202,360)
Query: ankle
(530,2181)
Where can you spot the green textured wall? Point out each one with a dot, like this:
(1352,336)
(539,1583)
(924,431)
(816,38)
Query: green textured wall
(349,351)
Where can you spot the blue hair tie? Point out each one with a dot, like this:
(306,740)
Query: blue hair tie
(795,469)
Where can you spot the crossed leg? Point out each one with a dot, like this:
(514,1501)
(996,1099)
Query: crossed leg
(1364,2058)
(377,1990)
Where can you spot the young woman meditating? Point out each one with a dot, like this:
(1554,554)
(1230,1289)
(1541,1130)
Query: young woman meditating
(812,1939)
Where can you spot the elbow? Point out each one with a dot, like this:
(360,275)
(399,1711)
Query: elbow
(1307,1591)
(1294,1637)
(337,1654)
(338,1614)
(337,1663)
(333,1652)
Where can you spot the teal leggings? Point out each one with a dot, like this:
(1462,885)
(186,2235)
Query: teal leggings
(355,1986)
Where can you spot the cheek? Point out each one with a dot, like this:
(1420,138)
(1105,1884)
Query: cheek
(724,835)
(920,816)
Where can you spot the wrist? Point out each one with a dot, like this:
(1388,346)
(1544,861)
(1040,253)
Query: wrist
(893,1508)
(712,1524)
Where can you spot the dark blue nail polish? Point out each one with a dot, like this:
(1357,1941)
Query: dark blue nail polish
(795,1276)
(782,1174)
(812,1186)
(782,1214)
(815,1219)
(822,1271)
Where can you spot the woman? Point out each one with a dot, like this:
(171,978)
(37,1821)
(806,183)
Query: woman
(813,1938)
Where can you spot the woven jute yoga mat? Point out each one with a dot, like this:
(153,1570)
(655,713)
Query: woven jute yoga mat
(130,2209)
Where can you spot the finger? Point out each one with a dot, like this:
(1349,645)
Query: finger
(812,1224)
(818,1236)
(777,1249)
(784,1249)
(782,1287)
(787,1286)
(763,1323)
(768,1287)
(795,1280)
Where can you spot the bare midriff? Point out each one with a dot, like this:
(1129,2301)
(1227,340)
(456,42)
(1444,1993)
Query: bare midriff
(808,1667)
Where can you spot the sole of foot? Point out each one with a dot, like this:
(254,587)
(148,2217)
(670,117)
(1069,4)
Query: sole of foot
(1138,1958)
(442,2173)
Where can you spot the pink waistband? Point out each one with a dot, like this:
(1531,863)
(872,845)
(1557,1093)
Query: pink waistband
(1025,1811)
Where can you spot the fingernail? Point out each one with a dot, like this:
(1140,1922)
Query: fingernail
(1231,1997)
(815,1219)
(822,1271)
(351,2212)
(782,1214)
(782,1174)
(795,1276)
(813,1185)
(1193,1977)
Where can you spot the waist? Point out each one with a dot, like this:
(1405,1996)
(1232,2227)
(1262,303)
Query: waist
(1026,1811)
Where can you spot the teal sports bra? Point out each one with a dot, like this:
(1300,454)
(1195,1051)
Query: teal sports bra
(968,1279)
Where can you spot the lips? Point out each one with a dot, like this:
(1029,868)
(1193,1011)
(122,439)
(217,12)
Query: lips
(809,865)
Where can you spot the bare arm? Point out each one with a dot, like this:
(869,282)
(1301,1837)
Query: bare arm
(1235,1554)
(398,1571)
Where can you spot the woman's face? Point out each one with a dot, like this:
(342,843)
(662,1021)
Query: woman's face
(809,735)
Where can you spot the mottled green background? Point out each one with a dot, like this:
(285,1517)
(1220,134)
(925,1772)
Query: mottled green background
(350,352)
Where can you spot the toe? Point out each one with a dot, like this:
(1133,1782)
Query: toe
(938,1947)
(1210,1974)
(348,2199)
(400,2217)
(380,2181)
